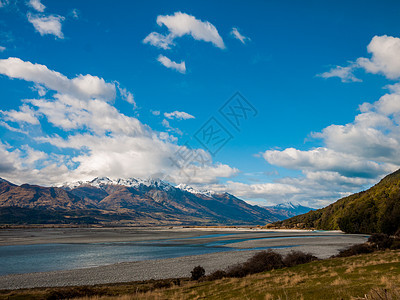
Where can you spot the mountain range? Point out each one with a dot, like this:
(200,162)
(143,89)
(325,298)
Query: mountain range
(127,201)
(376,210)
(288,209)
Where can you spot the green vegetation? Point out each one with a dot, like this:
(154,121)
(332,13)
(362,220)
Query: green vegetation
(372,211)
(336,278)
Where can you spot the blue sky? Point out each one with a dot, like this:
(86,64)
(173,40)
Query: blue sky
(117,89)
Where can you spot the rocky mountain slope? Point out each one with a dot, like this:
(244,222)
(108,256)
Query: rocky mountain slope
(125,201)
(374,210)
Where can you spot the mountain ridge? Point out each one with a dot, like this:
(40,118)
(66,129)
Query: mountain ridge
(130,201)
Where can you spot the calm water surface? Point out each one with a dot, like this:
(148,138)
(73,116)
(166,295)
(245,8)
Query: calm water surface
(52,257)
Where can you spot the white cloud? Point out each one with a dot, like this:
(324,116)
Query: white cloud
(314,189)
(82,86)
(236,34)
(37,5)
(47,24)
(2,49)
(155,112)
(166,124)
(40,89)
(385,52)
(126,95)
(21,165)
(158,40)
(105,142)
(324,159)
(180,115)
(373,135)
(344,73)
(24,114)
(180,24)
(165,61)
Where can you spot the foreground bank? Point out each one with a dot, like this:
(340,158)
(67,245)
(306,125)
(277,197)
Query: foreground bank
(376,274)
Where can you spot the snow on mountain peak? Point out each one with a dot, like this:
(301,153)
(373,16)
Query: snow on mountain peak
(290,205)
(187,188)
(100,182)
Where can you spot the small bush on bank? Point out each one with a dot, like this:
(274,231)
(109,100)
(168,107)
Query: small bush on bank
(264,261)
(381,241)
(197,273)
(260,262)
(295,258)
(219,274)
(395,245)
(159,284)
(355,250)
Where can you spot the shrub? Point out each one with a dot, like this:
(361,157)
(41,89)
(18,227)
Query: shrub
(264,261)
(295,258)
(355,250)
(197,273)
(237,271)
(219,274)
(159,284)
(177,281)
(395,245)
(381,241)
(260,262)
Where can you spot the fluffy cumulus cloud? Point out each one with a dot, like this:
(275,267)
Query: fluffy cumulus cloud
(325,159)
(47,24)
(37,5)
(237,35)
(385,53)
(166,62)
(180,115)
(82,86)
(88,136)
(180,24)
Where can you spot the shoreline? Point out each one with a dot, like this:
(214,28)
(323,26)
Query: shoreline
(243,243)
(84,235)
(179,267)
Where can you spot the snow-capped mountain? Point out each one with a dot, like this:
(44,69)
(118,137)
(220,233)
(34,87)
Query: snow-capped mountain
(131,201)
(288,209)
(101,182)
(187,188)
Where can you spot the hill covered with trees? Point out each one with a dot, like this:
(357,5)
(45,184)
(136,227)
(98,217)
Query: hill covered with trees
(376,210)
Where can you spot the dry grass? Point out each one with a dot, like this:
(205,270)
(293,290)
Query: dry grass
(382,294)
(367,276)
(340,282)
